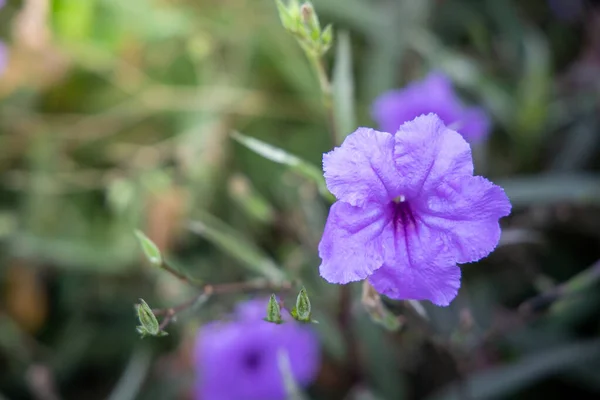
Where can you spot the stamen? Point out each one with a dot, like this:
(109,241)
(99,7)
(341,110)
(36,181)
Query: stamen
(400,199)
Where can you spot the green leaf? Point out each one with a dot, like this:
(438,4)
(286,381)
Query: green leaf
(150,250)
(552,189)
(343,85)
(280,156)
(292,390)
(237,246)
(502,382)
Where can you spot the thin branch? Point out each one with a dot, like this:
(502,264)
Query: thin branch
(224,288)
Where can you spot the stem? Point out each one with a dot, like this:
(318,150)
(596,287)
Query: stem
(164,265)
(225,288)
(327,95)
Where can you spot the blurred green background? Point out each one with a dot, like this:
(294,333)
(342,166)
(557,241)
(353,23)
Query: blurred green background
(116,115)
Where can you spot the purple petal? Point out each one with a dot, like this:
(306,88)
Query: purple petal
(356,242)
(433,94)
(466,210)
(474,124)
(362,168)
(424,268)
(3,57)
(238,359)
(427,152)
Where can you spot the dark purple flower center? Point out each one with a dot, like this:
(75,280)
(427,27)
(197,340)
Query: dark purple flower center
(402,213)
(252,360)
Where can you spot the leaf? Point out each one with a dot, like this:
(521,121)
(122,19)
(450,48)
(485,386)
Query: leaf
(552,189)
(280,156)
(343,85)
(292,390)
(503,381)
(131,381)
(238,247)
(150,250)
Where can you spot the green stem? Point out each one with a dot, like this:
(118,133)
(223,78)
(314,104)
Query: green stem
(327,95)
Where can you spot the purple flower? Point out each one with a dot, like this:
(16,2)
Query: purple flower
(567,10)
(409,209)
(237,360)
(434,94)
(3,57)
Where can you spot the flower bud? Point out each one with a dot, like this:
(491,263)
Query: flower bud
(149,324)
(303,310)
(273,311)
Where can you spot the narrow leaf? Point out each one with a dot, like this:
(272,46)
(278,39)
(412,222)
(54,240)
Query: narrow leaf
(280,156)
(343,85)
(237,246)
(150,250)
(502,382)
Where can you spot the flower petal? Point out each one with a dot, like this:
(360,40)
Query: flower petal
(466,210)
(362,168)
(423,269)
(474,124)
(355,243)
(238,359)
(438,285)
(433,94)
(427,152)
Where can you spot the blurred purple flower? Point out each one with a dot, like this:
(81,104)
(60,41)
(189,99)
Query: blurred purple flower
(3,49)
(409,209)
(3,57)
(434,94)
(237,360)
(567,10)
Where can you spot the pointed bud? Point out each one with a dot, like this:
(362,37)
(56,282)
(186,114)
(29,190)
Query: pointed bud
(311,20)
(150,250)
(302,310)
(273,311)
(149,324)
(327,38)
(285,15)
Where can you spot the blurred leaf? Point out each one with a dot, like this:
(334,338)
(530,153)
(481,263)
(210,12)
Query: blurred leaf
(533,90)
(282,157)
(238,247)
(133,377)
(552,189)
(580,146)
(381,361)
(150,250)
(249,200)
(74,19)
(504,381)
(343,85)
(292,390)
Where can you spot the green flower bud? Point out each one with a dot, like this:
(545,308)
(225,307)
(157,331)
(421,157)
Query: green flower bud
(149,324)
(302,310)
(327,38)
(273,311)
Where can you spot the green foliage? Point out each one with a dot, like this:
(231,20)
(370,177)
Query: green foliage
(117,115)
(150,250)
